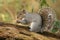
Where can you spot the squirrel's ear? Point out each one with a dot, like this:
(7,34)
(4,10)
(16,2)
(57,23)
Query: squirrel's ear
(24,11)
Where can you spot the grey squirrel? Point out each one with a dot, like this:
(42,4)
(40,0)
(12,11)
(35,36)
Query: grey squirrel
(39,21)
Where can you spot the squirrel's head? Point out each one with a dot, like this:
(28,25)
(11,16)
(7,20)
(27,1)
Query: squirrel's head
(21,14)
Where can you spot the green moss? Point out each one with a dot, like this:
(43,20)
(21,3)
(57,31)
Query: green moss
(54,30)
(56,26)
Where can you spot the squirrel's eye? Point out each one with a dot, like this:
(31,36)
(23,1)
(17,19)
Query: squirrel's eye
(20,14)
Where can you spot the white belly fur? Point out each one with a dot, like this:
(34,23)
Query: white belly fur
(36,24)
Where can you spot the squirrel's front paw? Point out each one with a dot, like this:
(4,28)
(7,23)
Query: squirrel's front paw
(18,21)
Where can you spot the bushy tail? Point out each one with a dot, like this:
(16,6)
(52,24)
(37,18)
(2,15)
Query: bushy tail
(48,16)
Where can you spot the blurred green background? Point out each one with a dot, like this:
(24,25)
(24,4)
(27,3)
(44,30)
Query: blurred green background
(9,8)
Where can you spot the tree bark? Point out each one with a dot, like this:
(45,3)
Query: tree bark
(19,32)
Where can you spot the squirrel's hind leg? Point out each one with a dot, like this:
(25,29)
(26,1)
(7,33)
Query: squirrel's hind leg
(35,27)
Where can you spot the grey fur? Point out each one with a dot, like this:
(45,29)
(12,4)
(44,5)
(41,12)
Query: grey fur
(35,20)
